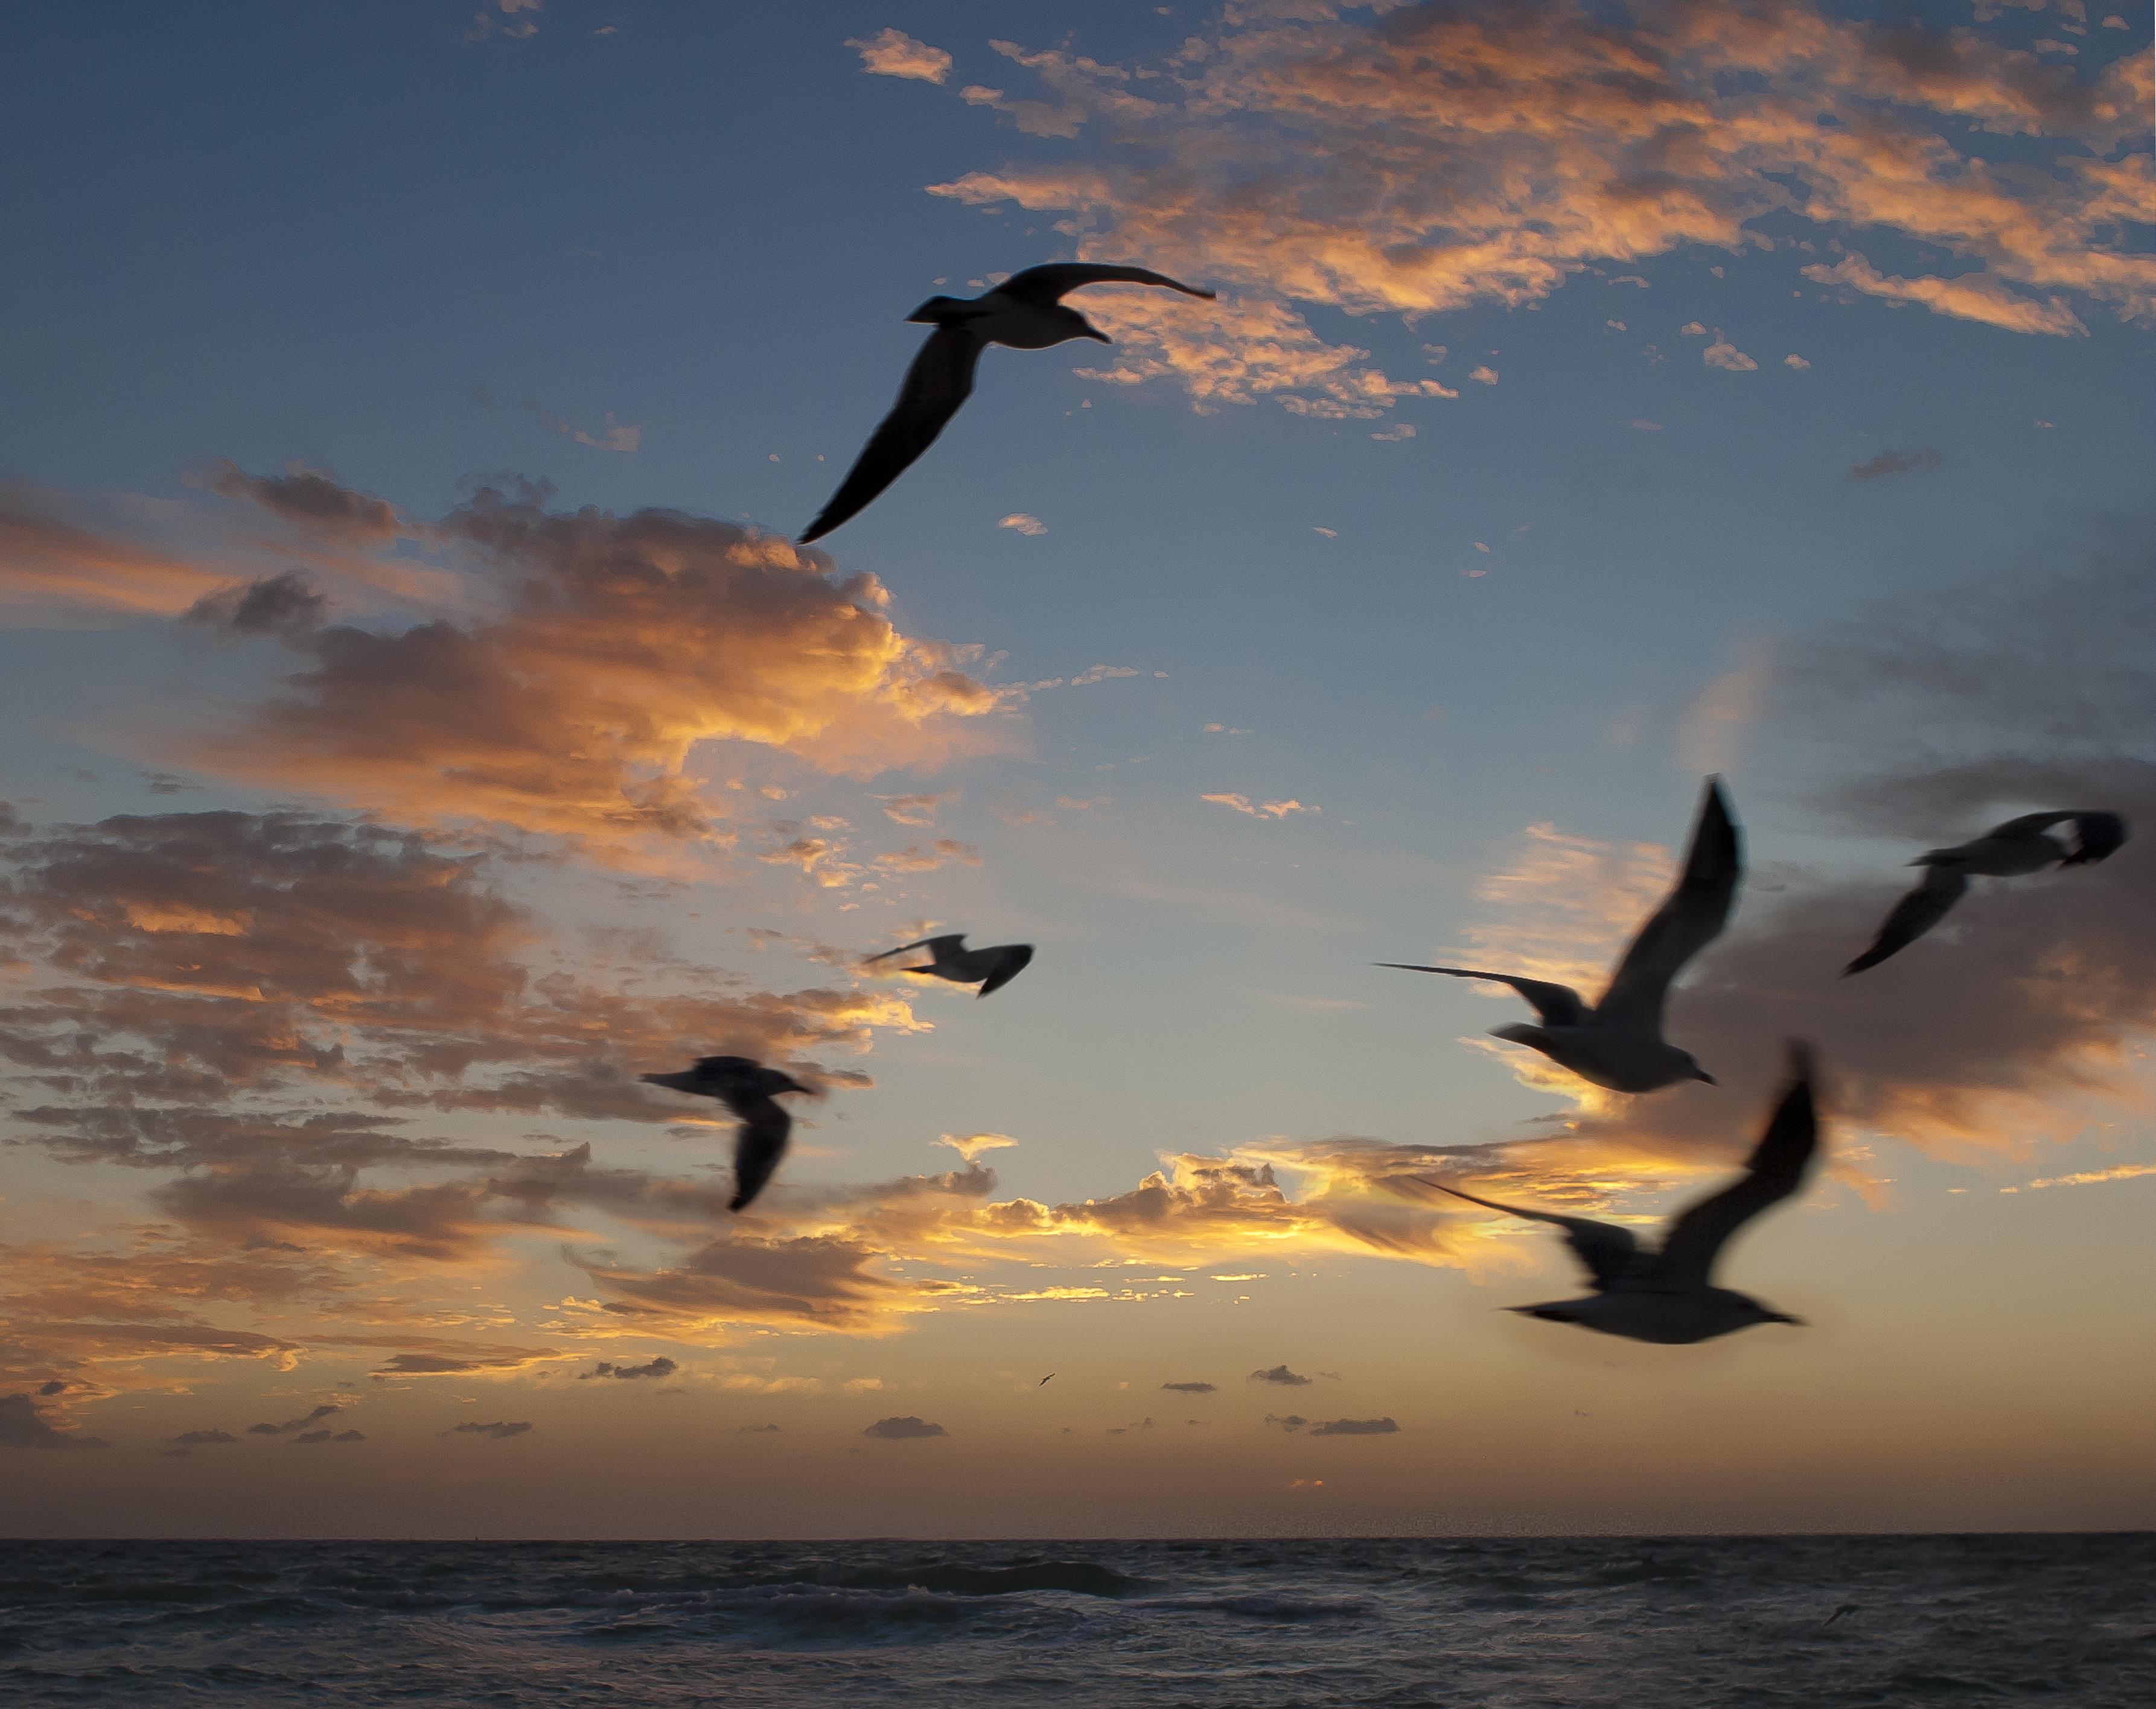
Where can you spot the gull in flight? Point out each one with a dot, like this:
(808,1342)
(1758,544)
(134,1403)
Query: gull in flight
(1025,312)
(1618,1043)
(993,968)
(1669,1295)
(751,1091)
(2020,845)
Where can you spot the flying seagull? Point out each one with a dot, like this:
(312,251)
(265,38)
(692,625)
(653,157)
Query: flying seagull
(1045,1381)
(1669,1295)
(1619,1042)
(995,967)
(1025,312)
(750,1090)
(2020,845)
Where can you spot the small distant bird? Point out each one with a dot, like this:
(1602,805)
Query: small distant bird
(1024,312)
(994,968)
(1847,1607)
(1619,1042)
(1669,1296)
(2020,845)
(750,1090)
(1045,1381)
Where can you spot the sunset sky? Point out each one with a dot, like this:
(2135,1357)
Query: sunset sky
(422,724)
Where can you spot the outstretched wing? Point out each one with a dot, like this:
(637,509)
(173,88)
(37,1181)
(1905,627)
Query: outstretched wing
(943,948)
(1557,1005)
(1609,1252)
(1775,1170)
(1047,284)
(1010,962)
(1913,915)
(757,1147)
(940,380)
(1690,919)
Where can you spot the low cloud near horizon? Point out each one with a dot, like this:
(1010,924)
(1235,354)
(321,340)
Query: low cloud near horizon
(910,1428)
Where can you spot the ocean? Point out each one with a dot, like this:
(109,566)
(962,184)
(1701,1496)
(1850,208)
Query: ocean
(1524,1624)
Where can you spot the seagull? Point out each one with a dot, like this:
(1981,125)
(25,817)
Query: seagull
(995,967)
(1045,1381)
(1619,1042)
(1668,1296)
(1025,312)
(2020,845)
(750,1090)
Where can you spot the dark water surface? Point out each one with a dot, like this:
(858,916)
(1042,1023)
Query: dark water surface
(1581,1624)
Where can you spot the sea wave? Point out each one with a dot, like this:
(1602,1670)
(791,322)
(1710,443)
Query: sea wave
(1615,1624)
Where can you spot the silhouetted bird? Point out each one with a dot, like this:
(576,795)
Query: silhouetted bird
(994,967)
(1045,1381)
(748,1089)
(1847,1607)
(1619,1042)
(1025,312)
(1669,1295)
(2020,845)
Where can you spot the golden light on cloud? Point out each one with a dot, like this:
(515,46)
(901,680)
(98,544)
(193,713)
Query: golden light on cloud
(973,1146)
(1413,161)
(610,645)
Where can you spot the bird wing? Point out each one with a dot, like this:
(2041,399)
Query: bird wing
(1691,918)
(2096,835)
(943,948)
(1558,1005)
(1609,1252)
(1775,1171)
(940,380)
(1913,915)
(757,1147)
(722,1066)
(2030,823)
(1047,284)
(1010,960)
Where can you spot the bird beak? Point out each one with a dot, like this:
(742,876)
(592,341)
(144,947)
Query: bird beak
(1784,1317)
(1701,1074)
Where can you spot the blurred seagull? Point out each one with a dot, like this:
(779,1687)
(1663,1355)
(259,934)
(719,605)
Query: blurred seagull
(995,967)
(1618,1043)
(1668,1296)
(1025,312)
(1045,1381)
(750,1090)
(2020,845)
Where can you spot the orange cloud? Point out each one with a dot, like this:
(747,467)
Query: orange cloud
(617,644)
(1427,158)
(53,571)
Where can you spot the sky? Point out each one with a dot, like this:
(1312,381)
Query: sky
(423,724)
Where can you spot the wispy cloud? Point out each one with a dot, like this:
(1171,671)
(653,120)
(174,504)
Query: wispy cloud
(892,52)
(1261,809)
(1887,463)
(1416,160)
(612,435)
(2087,1177)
